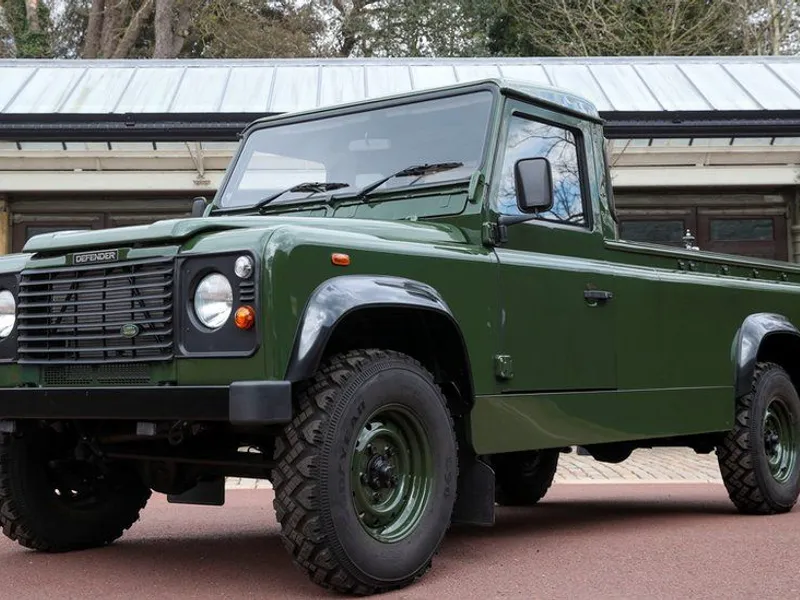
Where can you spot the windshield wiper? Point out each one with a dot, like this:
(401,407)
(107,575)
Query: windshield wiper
(419,170)
(315,187)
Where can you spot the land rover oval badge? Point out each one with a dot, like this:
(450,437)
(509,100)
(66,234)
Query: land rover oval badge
(129,330)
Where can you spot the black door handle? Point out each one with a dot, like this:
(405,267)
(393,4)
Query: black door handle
(597,295)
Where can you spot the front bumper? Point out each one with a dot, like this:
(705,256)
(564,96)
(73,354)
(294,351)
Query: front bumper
(240,403)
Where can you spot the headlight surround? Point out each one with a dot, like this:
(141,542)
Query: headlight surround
(213,300)
(8,313)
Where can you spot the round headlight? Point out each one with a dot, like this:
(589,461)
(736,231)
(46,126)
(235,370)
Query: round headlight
(213,300)
(243,267)
(8,313)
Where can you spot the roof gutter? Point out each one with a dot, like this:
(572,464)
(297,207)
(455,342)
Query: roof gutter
(228,126)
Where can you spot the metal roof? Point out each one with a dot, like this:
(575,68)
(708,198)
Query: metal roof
(622,89)
(272,86)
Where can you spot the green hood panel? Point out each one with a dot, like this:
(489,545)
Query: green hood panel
(171,230)
(179,230)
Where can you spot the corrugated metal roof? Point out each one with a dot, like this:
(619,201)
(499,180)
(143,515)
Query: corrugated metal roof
(641,84)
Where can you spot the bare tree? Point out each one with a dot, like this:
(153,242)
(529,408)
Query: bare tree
(114,27)
(770,26)
(627,27)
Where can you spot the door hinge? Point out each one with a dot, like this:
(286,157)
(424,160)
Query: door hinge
(493,234)
(503,366)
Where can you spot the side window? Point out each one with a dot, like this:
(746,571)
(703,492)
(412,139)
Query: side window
(532,139)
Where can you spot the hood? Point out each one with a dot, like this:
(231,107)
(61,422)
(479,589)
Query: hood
(180,230)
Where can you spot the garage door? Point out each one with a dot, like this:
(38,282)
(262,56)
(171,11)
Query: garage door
(758,231)
(32,216)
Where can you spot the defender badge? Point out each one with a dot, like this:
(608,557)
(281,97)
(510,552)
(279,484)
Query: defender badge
(129,330)
(101,256)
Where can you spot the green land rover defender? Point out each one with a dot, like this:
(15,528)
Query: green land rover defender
(399,312)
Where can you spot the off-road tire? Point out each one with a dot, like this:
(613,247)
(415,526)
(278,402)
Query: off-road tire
(313,489)
(35,517)
(742,456)
(523,478)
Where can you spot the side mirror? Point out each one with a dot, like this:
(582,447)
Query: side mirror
(534,184)
(198,207)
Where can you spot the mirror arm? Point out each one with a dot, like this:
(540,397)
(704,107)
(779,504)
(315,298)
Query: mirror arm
(505,220)
(497,233)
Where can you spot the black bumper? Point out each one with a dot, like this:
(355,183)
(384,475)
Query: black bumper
(241,403)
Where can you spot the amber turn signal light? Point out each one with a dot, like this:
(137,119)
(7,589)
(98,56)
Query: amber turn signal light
(340,259)
(245,317)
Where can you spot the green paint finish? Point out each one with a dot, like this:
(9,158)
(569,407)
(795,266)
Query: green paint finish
(554,359)
(507,423)
(300,260)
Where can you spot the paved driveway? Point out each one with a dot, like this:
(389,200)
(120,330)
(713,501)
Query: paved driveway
(585,541)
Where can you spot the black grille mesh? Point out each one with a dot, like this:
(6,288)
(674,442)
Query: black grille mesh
(74,315)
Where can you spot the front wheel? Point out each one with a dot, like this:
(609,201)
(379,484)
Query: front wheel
(51,502)
(758,458)
(366,473)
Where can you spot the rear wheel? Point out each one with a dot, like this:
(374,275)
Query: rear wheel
(50,501)
(758,458)
(366,473)
(523,478)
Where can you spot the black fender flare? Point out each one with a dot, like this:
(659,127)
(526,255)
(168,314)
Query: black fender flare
(337,297)
(751,335)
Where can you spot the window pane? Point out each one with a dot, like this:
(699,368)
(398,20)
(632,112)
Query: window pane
(741,230)
(529,139)
(655,232)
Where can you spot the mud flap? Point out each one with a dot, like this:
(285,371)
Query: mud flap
(475,501)
(207,493)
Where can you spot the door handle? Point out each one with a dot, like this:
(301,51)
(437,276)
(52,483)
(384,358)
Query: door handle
(597,295)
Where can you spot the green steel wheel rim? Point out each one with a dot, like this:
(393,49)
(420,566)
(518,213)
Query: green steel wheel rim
(780,440)
(391,473)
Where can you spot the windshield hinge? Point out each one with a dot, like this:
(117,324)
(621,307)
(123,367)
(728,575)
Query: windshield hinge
(493,234)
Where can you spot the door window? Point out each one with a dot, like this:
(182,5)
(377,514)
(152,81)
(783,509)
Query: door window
(534,139)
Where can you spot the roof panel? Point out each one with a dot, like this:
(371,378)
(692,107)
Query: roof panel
(719,88)
(477,72)
(200,90)
(13,79)
(578,80)
(151,90)
(295,88)
(530,73)
(789,74)
(384,81)
(429,76)
(248,90)
(98,91)
(672,88)
(624,88)
(764,86)
(45,91)
(341,84)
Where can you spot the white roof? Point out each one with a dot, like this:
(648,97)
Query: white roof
(640,84)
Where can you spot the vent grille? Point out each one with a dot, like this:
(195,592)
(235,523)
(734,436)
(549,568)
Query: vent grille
(76,315)
(247,291)
(114,374)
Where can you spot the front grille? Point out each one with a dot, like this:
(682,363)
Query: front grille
(76,315)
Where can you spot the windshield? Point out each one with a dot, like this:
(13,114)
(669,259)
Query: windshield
(360,148)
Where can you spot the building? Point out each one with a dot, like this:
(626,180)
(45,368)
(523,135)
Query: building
(706,144)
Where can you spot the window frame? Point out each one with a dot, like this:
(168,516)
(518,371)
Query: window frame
(583,175)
